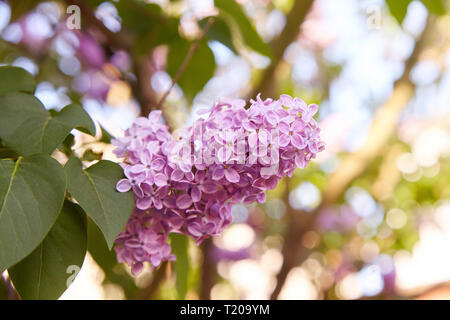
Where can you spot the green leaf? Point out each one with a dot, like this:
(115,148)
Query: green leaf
(31,195)
(180,244)
(66,146)
(398,8)
(436,7)
(90,155)
(219,31)
(198,71)
(139,16)
(14,79)
(50,269)
(232,10)
(98,248)
(106,136)
(71,116)
(95,191)
(27,128)
(114,273)
(150,26)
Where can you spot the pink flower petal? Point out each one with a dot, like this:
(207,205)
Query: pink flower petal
(177,175)
(209,187)
(160,179)
(196,193)
(137,268)
(232,175)
(143,203)
(123,185)
(218,173)
(298,141)
(300,161)
(284,127)
(184,201)
(284,140)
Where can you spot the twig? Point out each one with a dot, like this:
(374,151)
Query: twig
(383,127)
(187,59)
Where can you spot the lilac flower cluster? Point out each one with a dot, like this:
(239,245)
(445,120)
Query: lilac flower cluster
(188,184)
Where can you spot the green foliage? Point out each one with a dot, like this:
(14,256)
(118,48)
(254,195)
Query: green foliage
(98,248)
(399,8)
(436,7)
(28,128)
(90,155)
(148,23)
(94,189)
(106,259)
(106,136)
(40,238)
(219,31)
(180,246)
(15,79)
(31,195)
(139,16)
(47,271)
(66,146)
(199,69)
(233,12)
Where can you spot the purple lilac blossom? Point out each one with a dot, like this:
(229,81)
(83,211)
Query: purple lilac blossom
(188,184)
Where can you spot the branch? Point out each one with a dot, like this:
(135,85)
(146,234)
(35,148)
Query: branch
(383,127)
(294,20)
(187,59)
(143,88)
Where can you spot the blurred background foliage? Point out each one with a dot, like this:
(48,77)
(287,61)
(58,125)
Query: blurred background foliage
(370,218)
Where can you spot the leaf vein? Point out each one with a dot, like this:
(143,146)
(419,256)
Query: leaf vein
(11,179)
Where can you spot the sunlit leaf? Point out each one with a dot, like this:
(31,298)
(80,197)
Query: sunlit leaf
(398,8)
(436,7)
(219,31)
(250,36)
(197,72)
